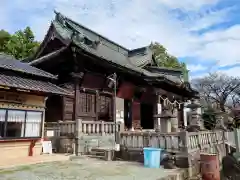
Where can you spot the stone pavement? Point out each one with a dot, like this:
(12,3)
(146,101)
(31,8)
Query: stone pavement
(85,169)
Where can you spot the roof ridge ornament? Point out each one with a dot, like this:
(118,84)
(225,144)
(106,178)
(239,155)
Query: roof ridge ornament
(60,18)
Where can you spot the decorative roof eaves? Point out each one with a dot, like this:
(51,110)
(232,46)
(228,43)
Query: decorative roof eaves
(45,41)
(65,19)
(48,56)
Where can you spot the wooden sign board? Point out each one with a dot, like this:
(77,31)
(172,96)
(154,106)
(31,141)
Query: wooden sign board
(47,147)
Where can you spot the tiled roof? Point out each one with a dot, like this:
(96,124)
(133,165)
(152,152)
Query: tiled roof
(9,63)
(134,60)
(30,84)
(68,29)
(48,56)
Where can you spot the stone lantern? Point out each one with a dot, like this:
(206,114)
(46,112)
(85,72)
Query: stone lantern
(236,117)
(195,115)
(219,120)
(165,124)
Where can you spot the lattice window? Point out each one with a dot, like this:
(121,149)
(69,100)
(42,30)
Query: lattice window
(87,103)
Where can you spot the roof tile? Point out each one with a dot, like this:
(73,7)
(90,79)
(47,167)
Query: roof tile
(30,84)
(9,63)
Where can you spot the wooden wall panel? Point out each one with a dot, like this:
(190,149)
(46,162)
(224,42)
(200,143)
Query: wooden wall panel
(92,81)
(90,106)
(68,104)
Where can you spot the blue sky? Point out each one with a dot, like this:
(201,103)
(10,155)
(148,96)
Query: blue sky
(203,33)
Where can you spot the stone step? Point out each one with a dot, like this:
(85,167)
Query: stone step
(107,154)
(95,156)
(98,152)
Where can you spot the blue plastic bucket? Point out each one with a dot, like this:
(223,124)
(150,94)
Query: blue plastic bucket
(152,157)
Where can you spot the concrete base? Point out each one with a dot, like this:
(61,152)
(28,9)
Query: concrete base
(19,148)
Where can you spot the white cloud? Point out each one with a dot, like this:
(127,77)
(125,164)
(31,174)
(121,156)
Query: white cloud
(210,18)
(232,71)
(224,52)
(135,23)
(188,4)
(196,67)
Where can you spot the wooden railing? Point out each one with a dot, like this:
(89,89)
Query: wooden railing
(172,142)
(87,127)
(204,139)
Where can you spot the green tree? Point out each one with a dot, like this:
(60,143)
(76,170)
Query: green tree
(4,38)
(21,44)
(164,59)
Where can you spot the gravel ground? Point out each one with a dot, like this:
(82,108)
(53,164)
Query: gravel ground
(84,169)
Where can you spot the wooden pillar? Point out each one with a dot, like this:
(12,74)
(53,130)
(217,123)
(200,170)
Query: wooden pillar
(128,113)
(111,108)
(78,78)
(97,105)
(181,116)
(75,116)
(76,106)
(77,81)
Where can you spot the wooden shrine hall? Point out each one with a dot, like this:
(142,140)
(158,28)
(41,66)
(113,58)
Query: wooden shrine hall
(83,61)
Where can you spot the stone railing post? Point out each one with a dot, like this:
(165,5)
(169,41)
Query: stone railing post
(120,130)
(187,159)
(79,146)
(102,128)
(183,141)
(121,125)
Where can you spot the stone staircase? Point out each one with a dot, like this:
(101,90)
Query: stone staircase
(107,154)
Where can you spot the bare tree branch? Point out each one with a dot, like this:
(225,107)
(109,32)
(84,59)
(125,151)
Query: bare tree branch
(219,89)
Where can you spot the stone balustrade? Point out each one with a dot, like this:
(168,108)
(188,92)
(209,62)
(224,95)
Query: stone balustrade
(87,127)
